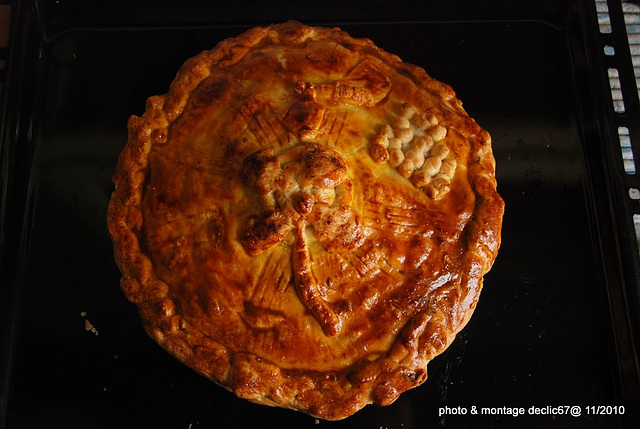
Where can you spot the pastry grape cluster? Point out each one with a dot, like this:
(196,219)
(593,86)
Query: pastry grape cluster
(413,143)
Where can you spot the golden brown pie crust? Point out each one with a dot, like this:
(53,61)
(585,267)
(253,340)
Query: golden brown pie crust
(305,219)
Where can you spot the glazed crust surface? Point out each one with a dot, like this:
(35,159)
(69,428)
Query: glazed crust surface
(305,219)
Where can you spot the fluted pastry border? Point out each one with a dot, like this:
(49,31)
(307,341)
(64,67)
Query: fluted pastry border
(330,396)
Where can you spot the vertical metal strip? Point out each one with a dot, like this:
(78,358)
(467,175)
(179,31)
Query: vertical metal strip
(619,32)
(616,154)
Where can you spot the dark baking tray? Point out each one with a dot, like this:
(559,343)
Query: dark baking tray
(557,323)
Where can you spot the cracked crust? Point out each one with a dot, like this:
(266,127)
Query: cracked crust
(268,243)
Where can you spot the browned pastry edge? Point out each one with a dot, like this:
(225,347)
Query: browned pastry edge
(333,395)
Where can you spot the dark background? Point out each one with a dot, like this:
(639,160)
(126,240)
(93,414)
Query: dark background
(546,331)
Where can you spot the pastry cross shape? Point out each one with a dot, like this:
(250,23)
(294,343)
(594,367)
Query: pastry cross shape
(307,185)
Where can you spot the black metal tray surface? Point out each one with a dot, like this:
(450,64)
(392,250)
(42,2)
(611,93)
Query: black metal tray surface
(556,325)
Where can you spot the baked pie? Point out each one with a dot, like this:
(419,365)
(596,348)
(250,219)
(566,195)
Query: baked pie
(305,219)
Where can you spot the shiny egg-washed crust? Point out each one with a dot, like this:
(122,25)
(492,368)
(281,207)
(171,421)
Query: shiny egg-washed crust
(271,244)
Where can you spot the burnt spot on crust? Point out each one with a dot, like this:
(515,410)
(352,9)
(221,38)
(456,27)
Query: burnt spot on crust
(208,91)
(260,170)
(231,150)
(265,230)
